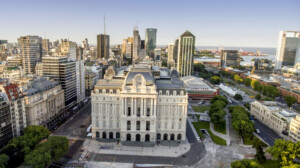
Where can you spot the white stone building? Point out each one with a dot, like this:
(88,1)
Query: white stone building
(44,99)
(271,115)
(294,132)
(133,105)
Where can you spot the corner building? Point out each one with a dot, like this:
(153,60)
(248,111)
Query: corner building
(136,105)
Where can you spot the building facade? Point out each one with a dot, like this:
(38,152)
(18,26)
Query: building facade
(271,115)
(102,46)
(44,100)
(136,44)
(31,52)
(63,71)
(5,122)
(15,98)
(135,107)
(294,132)
(186,48)
(150,41)
(230,58)
(170,54)
(288,49)
(45,46)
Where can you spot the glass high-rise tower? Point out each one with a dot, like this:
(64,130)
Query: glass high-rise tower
(288,49)
(186,48)
(150,41)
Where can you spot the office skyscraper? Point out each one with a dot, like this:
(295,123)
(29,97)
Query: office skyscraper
(136,44)
(45,46)
(31,52)
(150,41)
(68,49)
(170,54)
(230,58)
(64,72)
(186,47)
(102,46)
(288,49)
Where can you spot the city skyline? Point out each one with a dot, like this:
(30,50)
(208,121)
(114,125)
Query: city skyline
(216,23)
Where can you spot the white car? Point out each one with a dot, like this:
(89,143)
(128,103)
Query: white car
(257,131)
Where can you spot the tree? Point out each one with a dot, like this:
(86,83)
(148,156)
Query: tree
(199,67)
(247,105)
(290,100)
(238,79)
(257,96)
(164,64)
(244,164)
(240,120)
(59,146)
(3,160)
(238,97)
(218,97)
(285,151)
(52,150)
(215,80)
(247,82)
(18,147)
(255,85)
(259,146)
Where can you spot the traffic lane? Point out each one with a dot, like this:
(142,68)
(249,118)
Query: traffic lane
(266,133)
(73,124)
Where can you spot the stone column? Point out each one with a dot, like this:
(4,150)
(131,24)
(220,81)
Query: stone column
(154,110)
(151,107)
(135,106)
(125,106)
(145,106)
(132,111)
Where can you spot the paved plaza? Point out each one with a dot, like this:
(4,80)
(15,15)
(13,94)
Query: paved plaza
(94,146)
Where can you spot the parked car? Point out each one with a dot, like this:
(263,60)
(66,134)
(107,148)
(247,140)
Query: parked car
(257,131)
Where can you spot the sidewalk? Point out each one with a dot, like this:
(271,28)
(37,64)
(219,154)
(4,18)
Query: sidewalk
(226,137)
(97,147)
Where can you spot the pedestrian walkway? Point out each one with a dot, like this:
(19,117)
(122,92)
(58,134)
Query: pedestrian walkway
(94,146)
(224,136)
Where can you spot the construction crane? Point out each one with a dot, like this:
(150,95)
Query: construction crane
(253,69)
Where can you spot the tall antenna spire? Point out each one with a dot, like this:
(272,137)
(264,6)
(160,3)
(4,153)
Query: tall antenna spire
(104,23)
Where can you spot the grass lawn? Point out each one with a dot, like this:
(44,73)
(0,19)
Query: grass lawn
(248,141)
(205,125)
(200,109)
(268,163)
(221,130)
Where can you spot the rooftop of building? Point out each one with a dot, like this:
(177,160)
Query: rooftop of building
(195,83)
(161,77)
(39,85)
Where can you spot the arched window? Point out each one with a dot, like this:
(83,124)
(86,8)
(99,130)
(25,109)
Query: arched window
(181,93)
(160,92)
(167,93)
(174,93)
(179,137)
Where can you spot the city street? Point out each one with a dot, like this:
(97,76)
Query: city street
(266,133)
(76,126)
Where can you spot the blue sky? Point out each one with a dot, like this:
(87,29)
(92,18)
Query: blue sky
(241,23)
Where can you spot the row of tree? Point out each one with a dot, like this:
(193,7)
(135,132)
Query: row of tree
(18,148)
(266,90)
(216,111)
(203,73)
(241,121)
